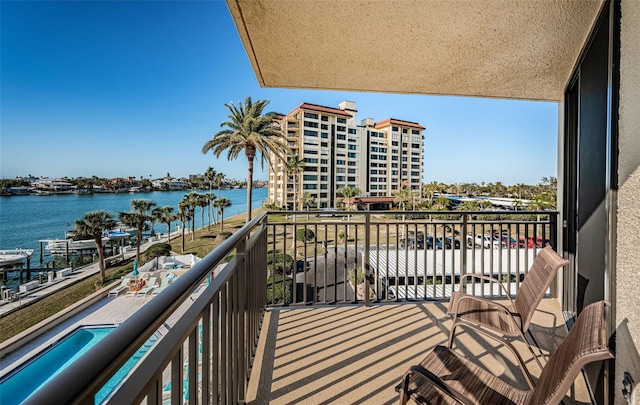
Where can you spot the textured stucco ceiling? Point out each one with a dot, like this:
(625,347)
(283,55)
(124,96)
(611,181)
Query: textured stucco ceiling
(521,49)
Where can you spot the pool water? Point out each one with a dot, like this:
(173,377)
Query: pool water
(19,385)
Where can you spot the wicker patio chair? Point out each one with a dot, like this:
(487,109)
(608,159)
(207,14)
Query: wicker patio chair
(445,377)
(509,320)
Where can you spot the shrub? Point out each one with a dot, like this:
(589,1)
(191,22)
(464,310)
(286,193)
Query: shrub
(279,263)
(305,235)
(156,250)
(279,289)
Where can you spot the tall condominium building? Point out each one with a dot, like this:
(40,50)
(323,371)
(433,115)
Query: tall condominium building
(378,158)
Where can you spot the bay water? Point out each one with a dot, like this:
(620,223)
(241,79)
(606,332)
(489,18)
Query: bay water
(25,220)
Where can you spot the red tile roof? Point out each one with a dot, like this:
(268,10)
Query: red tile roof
(320,108)
(393,121)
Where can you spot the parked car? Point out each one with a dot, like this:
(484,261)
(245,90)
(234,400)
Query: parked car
(448,243)
(412,243)
(529,242)
(507,241)
(487,241)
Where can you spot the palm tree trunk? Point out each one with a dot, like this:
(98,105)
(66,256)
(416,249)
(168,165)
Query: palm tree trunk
(100,259)
(249,187)
(138,242)
(169,232)
(221,220)
(182,237)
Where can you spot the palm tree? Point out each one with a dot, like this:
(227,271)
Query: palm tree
(94,224)
(251,132)
(221,204)
(139,217)
(191,200)
(184,214)
(164,215)
(219,180)
(202,201)
(307,200)
(210,176)
(431,189)
(294,166)
(402,199)
(348,193)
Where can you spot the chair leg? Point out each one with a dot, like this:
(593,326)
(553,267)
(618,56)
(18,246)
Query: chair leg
(452,335)
(537,345)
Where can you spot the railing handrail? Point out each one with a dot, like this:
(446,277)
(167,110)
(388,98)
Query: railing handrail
(93,369)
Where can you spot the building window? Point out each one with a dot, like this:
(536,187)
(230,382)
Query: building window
(395,129)
(352,131)
(351,178)
(352,171)
(415,131)
(352,147)
(340,128)
(310,168)
(340,162)
(323,170)
(323,186)
(341,120)
(324,126)
(404,130)
(341,137)
(340,169)
(339,178)
(351,163)
(352,155)
(311,124)
(309,186)
(324,118)
(311,115)
(310,177)
(324,135)
(324,144)
(310,152)
(310,133)
(324,178)
(341,145)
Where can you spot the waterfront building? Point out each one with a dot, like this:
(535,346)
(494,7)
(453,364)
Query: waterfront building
(377,158)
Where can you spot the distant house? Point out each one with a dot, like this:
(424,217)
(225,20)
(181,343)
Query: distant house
(169,183)
(52,185)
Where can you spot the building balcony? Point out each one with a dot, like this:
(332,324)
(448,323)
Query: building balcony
(297,327)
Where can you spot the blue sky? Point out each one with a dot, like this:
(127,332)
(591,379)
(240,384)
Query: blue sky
(135,88)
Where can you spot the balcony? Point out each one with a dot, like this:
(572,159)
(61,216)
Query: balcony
(290,317)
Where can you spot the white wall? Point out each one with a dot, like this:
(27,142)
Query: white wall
(628,218)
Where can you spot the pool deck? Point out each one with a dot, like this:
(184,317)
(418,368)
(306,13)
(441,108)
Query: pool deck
(107,311)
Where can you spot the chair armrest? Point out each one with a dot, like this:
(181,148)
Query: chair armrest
(435,381)
(479,299)
(489,279)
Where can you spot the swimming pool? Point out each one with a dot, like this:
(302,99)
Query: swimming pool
(20,384)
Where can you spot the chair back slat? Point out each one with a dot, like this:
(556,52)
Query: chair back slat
(536,283)
(585,343)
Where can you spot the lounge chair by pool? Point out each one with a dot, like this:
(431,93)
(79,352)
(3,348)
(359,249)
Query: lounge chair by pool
(166,282)
(121,288)
(148,288)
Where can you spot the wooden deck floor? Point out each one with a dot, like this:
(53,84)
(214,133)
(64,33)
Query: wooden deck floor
(357,355)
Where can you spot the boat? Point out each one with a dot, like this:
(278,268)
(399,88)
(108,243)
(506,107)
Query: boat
(62,246)
(14,257)
(10,260)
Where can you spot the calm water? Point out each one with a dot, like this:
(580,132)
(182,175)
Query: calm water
(24,220)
